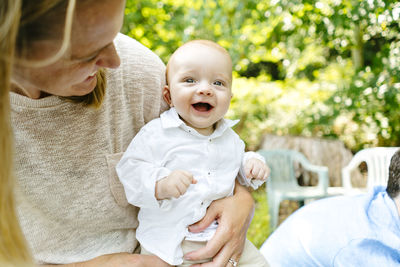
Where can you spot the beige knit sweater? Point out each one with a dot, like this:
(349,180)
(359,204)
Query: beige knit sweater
(71,205)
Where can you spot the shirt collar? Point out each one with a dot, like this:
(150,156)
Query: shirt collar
(379,198)
(171,119)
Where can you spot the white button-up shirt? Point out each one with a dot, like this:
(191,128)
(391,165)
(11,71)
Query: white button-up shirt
(168,144)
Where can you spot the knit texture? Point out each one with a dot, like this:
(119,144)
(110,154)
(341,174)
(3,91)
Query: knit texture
(71,205)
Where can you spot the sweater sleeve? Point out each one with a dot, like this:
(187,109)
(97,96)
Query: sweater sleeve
(138,172)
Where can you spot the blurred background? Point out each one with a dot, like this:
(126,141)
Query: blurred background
(325,69)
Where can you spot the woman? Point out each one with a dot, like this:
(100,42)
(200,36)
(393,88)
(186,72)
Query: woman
(70,132)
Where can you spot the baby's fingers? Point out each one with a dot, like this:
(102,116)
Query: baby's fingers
(184,183)
(267,172)
(187,179)
(260,174)
(181,188)
(257,171)
(186,173)
(248,169)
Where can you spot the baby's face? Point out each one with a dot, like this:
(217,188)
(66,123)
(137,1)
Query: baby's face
(200,80)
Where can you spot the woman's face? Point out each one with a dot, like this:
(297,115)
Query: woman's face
(96,23)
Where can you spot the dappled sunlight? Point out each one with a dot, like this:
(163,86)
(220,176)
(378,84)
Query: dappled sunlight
(326,69)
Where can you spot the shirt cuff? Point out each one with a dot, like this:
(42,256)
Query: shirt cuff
(243,180)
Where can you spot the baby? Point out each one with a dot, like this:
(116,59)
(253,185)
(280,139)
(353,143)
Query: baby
(181,162)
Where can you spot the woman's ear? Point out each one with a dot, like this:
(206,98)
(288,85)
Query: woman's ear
(167,96)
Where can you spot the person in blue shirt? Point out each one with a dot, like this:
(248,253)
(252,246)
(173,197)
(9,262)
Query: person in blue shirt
(362,230)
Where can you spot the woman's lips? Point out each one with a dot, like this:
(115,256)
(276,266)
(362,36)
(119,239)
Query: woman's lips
(91,76)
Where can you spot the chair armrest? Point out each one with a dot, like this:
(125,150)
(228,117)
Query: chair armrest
(357,159)
(346,180)
(323,178)
(322,171)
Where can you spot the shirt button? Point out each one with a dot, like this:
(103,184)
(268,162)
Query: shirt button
(209,173)
(202,203)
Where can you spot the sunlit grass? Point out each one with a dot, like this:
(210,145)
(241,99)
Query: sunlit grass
(259,228)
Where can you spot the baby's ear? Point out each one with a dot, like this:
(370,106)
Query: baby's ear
(167,96)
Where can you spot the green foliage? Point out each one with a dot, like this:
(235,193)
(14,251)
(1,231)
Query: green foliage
(325,68)
(281,107)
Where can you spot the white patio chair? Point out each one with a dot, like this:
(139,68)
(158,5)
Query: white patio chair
(377,160)
(282,183)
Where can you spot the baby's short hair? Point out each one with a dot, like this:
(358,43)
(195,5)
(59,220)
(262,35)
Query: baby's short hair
(208,43)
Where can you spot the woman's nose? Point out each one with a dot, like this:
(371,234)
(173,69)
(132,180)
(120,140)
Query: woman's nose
(108,58)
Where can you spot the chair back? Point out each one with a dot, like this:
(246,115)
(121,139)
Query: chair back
(377,160)
(378,165)
(282,183)
(281,163)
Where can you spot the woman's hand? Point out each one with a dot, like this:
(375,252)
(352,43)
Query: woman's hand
(121,260)
(233,215)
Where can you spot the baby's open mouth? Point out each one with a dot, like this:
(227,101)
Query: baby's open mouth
(202,106)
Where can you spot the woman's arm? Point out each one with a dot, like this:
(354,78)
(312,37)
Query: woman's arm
(234,215)
(119,260)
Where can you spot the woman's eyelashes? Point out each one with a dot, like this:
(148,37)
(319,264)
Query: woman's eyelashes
(90,58)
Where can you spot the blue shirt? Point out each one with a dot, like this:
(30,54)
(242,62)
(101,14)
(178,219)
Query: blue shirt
(362,230)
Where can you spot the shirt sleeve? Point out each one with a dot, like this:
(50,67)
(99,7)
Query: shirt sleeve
(368,252)
(253,183)
(138,172)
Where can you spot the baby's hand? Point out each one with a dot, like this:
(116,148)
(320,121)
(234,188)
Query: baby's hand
(174,185)
(256,169)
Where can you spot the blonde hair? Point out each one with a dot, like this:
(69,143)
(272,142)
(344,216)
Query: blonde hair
(94,98)
(13,249)
(15,18)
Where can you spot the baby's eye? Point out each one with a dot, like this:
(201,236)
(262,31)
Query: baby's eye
(219,83)
(189,80)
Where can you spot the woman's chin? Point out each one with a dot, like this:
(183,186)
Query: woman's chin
(84,88)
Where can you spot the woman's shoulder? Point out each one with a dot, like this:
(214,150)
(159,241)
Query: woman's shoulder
(140,68)
(138,81)
(134,54)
